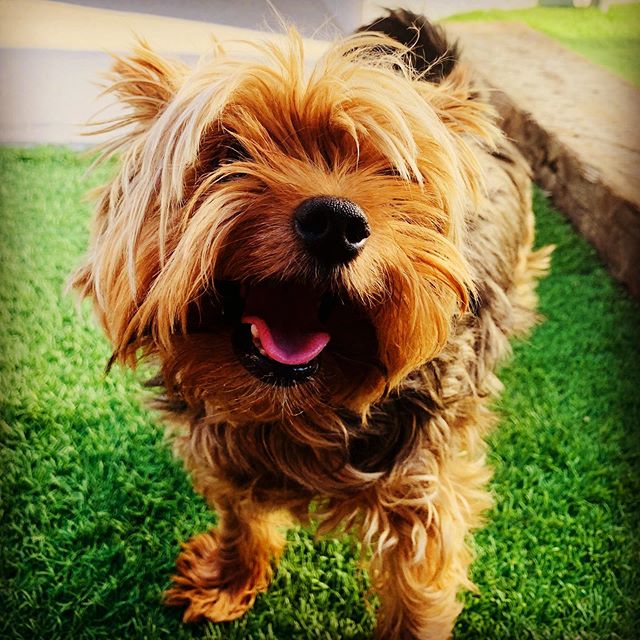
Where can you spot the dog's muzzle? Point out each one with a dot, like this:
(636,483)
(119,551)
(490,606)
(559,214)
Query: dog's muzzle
(333,230)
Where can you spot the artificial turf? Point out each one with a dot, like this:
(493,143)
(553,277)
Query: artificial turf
(94,506)
(610,38)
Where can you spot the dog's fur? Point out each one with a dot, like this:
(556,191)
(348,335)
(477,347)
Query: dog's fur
(386,438)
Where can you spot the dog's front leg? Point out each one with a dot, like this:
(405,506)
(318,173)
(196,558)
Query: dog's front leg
(420,557)
(220,573)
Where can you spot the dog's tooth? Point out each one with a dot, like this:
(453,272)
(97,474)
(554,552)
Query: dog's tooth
(256,341)
(262,351)
(254,331)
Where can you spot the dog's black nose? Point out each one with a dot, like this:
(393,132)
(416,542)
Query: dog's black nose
(333,230)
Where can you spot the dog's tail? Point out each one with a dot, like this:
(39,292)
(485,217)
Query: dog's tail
(430,53)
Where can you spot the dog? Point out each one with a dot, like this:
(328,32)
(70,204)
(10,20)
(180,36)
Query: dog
(326,265)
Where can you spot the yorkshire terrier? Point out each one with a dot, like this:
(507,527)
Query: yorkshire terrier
(326,264)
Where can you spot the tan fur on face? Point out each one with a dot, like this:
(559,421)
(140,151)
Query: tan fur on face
(169,222)
(213,163)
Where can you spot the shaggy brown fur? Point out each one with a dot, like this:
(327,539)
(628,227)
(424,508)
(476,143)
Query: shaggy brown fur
(384,430)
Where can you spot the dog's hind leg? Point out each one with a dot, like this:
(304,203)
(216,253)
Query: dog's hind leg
(220,573)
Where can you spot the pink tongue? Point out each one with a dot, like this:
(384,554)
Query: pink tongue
(288,348)
(286,318)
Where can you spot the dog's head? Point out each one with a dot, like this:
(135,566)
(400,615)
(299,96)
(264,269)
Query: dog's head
(280,239)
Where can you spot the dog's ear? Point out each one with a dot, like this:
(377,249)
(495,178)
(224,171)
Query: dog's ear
(463,105)
(444,80)
(143,83)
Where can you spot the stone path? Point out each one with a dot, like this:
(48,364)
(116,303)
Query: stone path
(578,125)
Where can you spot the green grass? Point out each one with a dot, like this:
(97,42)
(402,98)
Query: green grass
(611,39)
(94,506)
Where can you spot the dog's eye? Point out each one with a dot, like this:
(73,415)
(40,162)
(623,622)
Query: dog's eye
(392,172)
(227,153)
(235,150)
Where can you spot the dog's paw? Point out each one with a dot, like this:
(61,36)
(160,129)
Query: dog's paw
(217,605)
(209,588)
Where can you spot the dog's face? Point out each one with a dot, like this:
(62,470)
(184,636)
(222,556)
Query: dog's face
(283,240)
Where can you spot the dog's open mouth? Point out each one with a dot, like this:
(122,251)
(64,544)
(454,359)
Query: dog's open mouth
(284,323)
(283,332)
